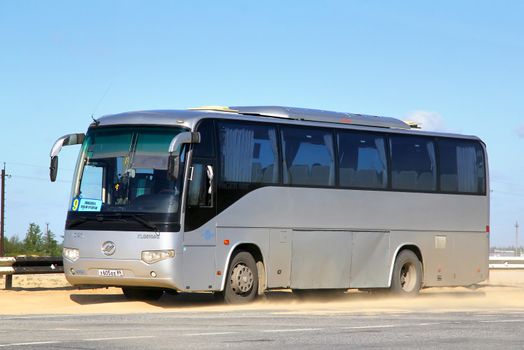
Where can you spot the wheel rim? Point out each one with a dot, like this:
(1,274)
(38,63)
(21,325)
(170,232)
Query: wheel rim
(408,277)
(241,279)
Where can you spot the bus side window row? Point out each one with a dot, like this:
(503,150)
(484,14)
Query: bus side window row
(249,154)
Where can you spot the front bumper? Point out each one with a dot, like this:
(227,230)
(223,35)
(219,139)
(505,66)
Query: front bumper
(136,273)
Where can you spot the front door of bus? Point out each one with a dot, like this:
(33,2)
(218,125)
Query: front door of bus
(201,198)
(199,230)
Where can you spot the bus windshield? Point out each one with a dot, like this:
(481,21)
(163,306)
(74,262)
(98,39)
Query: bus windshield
(124,169)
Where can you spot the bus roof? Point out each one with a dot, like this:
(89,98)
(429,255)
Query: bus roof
(322,116)
(290,113)
(190,117)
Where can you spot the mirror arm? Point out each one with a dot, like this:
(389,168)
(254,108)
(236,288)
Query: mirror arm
(175,147)
(66,140)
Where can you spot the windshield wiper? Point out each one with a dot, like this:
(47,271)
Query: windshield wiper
(113,216)
(144,222)
(124,216)
(80,220)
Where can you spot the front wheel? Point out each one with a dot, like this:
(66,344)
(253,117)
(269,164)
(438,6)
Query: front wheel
(407,274)
(242,279)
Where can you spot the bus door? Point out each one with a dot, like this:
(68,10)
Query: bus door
(199,227)
(201,199)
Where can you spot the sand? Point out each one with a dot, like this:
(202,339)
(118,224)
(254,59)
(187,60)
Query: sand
(51,294)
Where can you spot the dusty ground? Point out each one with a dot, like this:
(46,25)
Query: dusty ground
(51,294)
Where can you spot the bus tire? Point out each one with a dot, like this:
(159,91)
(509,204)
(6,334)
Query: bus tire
(407,274)
(242,279)
(136,293)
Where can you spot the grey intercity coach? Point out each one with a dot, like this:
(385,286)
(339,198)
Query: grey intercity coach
(242,200)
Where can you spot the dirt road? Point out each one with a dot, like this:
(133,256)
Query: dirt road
(51,294)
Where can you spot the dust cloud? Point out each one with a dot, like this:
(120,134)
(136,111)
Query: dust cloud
(51,294)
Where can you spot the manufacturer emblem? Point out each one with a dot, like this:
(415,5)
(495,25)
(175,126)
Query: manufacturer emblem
(108,248)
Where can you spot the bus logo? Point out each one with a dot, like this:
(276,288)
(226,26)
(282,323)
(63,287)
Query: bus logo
(108,248)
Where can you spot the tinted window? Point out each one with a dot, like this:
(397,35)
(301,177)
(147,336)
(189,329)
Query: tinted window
(461,167)
(413,163)
(248,153)
(206,147)
(308,157)
(362,160)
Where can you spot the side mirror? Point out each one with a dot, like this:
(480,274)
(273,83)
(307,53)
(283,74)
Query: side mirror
(53,168)
(66,140)
(175,149)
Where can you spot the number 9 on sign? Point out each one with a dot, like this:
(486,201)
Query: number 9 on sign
(74,207)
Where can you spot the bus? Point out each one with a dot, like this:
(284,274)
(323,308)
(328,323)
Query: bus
(242,200)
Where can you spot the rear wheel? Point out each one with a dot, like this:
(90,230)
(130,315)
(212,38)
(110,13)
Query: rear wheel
(407,274)
(136,293)
(242,279)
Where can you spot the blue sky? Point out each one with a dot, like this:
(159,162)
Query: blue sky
(456,66)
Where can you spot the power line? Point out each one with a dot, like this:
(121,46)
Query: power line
(36,166)
(37,178)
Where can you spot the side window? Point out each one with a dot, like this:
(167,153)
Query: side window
(362,160)
(248,153)
(413,164)
(91,185)
(206,147)
(308,157)
(200,190)
(462,167)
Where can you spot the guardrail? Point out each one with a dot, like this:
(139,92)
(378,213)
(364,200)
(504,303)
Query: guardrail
(506,262)
(28,265)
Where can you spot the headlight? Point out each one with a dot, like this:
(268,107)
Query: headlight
(153,256)
(71,254)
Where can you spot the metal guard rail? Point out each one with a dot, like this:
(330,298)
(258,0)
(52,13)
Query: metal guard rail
(28,265)
(506,262)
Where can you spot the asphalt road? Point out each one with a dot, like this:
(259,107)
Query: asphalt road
(265,329)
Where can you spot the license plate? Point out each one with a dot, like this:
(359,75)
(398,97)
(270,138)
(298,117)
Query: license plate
(110,273)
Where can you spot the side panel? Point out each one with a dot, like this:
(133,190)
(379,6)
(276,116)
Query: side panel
(199,268)
(320,259)
(438,258)
(469,266)
(199,259)
(411,218)
(359,210)
(279,262)
(370,260)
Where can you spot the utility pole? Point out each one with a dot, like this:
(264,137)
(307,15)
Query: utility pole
(517,239)
(47,240)
(2,212)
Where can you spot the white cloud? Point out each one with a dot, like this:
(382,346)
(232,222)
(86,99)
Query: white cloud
(520,131)
(427,120)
